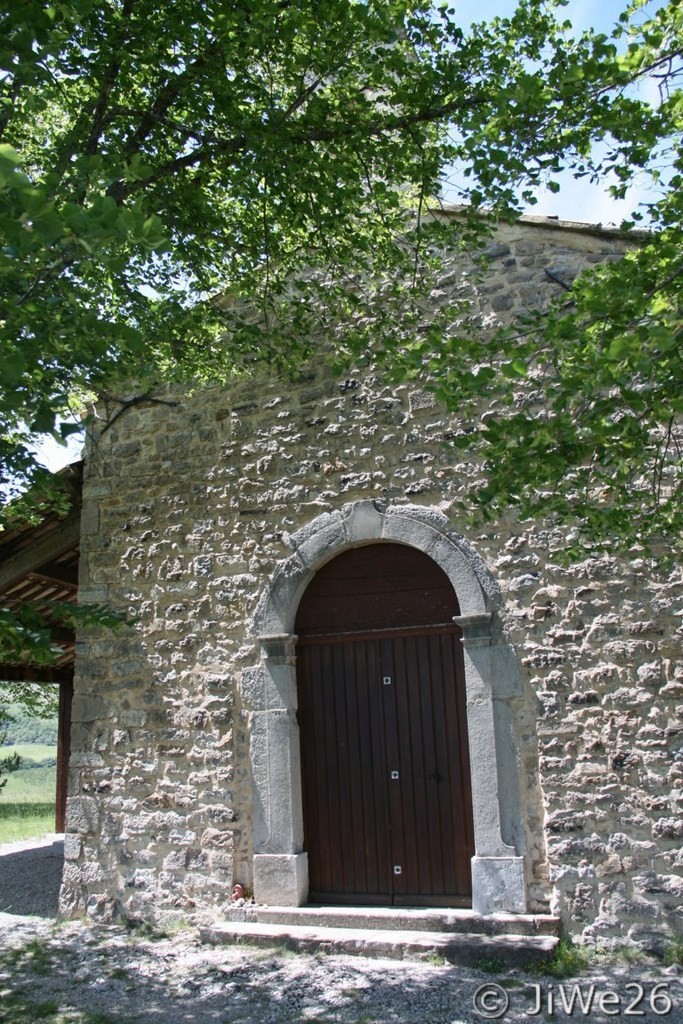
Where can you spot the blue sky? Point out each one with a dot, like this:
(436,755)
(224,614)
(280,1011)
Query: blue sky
(598,14)
(577,200)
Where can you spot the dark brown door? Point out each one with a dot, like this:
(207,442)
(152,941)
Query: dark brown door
(385,767)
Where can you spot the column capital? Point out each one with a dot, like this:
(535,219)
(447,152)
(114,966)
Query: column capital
(278,646)
(476,628)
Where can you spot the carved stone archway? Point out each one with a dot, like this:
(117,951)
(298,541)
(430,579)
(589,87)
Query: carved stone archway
(492,677)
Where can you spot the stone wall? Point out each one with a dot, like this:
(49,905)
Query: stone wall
(189,509)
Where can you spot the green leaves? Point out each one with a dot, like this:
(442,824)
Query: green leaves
(601,449)
(26,632)
(288,157)
(9,155)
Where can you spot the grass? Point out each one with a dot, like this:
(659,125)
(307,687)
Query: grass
(37,956)
(567,961)
(27,804)
(20,822)
(35,953)
(673,953)
(625,954)
(30,751)
(156,931)
(435,959)
(119,974)
(277,948)
(17,1008)
(30,786)
(487,964)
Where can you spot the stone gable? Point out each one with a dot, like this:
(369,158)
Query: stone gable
(201,515)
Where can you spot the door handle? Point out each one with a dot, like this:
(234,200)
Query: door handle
(433,776)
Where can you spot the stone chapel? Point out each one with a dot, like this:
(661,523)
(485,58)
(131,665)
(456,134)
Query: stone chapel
(333,692)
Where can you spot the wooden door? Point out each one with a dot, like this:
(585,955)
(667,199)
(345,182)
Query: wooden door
(385,766)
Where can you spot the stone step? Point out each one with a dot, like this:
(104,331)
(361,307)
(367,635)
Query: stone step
(471,950)
(399,919)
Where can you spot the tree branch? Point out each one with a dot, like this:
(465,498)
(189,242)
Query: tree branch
(107,84)
(166,96)
(129,403)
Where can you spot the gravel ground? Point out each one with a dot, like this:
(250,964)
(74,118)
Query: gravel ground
(30,874)
(76,973)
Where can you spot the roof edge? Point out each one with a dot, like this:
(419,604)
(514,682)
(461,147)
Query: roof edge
(552,223)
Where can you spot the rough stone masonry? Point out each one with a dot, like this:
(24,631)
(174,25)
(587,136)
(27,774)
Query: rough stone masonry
(192,510)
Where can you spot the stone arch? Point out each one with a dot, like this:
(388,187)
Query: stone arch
(280,868)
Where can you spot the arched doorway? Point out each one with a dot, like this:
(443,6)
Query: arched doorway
(269,690)
(383,723)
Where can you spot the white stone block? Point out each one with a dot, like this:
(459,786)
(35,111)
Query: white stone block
(281,880)
(498,885)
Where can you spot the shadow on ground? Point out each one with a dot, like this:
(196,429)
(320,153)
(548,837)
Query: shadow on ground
(30,879)
(98,975)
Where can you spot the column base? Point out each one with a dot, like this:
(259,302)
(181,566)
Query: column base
(498,885)
(281,879)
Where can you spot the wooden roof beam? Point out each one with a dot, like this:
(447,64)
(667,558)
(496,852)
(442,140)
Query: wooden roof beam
(42,552)
(57,572)
(35,674)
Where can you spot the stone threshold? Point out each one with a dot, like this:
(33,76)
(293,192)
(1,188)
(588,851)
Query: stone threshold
(465,949)
(427,919)
(459,936)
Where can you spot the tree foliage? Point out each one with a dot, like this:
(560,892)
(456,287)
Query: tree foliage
(26,637)
(32,711)
(21,706)
(287,157)
(11,762)
(604,448)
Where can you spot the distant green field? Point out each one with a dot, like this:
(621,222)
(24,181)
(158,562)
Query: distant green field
(30,785)
(30,751)
(27,801)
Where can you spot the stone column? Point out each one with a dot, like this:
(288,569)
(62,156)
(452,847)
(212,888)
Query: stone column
(280,865)
(497,872)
